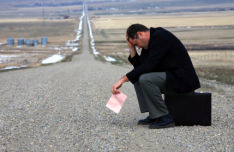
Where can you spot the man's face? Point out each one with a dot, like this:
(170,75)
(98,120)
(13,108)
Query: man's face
(140,42)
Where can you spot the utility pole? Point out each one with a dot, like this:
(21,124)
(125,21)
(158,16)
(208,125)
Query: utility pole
(43,14)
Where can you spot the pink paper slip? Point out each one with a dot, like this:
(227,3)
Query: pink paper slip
(116,102)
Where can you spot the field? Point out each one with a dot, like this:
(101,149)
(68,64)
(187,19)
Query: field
(57,32)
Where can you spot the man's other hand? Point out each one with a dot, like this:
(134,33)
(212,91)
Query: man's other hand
(118,84)
(115,87)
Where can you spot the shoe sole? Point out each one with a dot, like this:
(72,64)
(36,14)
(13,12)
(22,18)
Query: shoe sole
(144,124)
(161,127)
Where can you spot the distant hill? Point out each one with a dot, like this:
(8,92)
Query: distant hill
(127,6)
(37,3)
(54,3)
(215,1)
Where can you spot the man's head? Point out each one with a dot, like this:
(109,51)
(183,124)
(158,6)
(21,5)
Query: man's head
(138,35)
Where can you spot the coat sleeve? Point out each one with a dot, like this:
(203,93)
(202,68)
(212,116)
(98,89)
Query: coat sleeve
(135,61)
(159,46)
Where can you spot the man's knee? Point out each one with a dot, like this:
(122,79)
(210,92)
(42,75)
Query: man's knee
(156,78)
(144,78)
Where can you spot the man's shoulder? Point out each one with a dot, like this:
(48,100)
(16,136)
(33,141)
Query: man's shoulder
(157,29)
(161,36)
(159,32)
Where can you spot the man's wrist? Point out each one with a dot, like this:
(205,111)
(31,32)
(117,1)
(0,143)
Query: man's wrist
(124,79)
(132,52)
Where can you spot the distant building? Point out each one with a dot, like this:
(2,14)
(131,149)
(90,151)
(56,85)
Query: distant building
(66,17)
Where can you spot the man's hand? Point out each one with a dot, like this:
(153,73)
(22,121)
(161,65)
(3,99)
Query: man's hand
(118,84)
(131,47)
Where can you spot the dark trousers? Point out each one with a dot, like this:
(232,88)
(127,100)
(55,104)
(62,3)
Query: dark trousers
(149,89)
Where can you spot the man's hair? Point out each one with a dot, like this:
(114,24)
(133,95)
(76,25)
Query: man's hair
(134,28)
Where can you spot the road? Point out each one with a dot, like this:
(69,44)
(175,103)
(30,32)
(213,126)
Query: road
(61,107)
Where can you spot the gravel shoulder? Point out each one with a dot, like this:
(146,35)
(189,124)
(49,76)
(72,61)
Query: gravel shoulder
(61,107)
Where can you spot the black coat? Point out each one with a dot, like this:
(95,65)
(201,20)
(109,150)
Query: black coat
(166,53)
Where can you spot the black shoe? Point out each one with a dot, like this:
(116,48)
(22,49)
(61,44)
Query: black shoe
(146,121)
(163,122)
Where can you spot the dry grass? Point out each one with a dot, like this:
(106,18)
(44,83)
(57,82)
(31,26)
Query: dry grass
(34,29)
(117,22)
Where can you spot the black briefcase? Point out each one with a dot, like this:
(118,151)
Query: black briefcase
(190,109)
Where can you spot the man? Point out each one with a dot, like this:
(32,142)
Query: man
(163,66)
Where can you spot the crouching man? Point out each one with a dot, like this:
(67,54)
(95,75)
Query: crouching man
(163,66)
